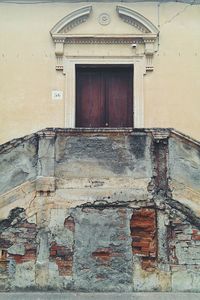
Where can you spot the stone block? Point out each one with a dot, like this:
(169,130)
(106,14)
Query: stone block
(182,280)
(45,184)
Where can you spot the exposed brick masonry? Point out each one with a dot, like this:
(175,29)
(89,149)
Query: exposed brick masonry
(23,235)
(18,244)
(63,256)
(143,232)
(184,243)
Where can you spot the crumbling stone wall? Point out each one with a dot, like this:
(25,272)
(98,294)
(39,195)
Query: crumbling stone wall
(101,213)
(18,245)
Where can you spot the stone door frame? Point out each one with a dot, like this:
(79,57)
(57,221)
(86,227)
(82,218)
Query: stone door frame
(139,67)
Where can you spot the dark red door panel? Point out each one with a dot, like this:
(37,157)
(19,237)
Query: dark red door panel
(90,99)
(104,96)
(119,95)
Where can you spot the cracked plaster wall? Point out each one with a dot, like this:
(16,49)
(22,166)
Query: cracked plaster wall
(100,212)
(176,63)
(18,164)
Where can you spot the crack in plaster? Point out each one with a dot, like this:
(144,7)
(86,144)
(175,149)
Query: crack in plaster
(178,13)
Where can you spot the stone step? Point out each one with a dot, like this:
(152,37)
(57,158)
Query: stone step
(99,296)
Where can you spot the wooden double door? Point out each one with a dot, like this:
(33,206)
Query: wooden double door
(104,96)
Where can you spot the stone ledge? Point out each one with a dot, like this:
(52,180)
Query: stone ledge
(196,2)
(99,296)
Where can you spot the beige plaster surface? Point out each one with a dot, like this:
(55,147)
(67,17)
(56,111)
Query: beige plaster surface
(28,75)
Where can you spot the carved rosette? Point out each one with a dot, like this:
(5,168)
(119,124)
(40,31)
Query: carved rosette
(104,19)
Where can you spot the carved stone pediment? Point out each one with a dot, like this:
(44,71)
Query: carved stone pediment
(70,21)
(143,32)
(137,20)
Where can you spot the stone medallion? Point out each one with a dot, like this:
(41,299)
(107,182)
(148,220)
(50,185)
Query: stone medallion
(104,19)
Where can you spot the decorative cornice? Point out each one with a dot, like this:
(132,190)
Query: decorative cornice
(103,40)
(71,20)
(137,20)
(59,39)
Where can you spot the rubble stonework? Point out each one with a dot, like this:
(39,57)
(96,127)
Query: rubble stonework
(100,210)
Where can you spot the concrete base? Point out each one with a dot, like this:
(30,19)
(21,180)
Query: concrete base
(99,296)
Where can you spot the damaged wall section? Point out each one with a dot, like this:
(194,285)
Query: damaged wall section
(18,247)
(101,249)
(103,210)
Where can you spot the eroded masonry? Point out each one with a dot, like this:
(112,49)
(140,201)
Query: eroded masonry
(100,210)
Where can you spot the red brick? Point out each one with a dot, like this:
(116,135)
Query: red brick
(64,267)
(104,254)
(63,257)
(54,248)
(141,244)
(148,264)
(53,253)
(196,237)
(29,255)
(143,232)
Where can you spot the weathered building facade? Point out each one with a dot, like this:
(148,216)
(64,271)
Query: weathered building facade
(96,202)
